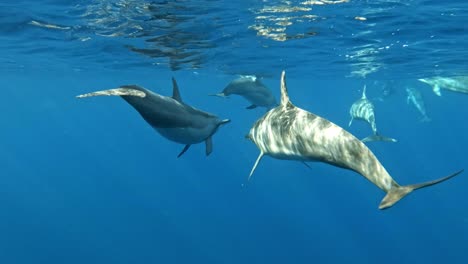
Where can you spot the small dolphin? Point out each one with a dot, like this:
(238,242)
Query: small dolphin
(363,109)
(252,89)
(170,116)
(456,84)
(415,97)
(291,133)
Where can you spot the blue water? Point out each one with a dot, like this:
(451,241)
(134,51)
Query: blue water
(88,181)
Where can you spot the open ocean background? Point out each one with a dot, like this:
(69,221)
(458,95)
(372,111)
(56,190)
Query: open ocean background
(88,181)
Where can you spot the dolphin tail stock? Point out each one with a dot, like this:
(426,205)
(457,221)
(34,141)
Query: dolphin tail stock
(397,192)
(377,137)
(115,92)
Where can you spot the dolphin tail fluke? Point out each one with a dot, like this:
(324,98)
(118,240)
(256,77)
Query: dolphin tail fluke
(115,92)
(397,192)
(378,137)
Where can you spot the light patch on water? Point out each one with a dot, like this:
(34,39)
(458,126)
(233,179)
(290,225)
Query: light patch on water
(47,25)
(273,21)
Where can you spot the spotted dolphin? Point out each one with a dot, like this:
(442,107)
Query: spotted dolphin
(455,84)
(415,97)
(363,109)
(170,116)
(288,132)
(252,89)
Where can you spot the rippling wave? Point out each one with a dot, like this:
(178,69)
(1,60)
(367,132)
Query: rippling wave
(317,38)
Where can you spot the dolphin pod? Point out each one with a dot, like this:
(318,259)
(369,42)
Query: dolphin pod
(252,89)
(290,133)
(285,132)
(170,116)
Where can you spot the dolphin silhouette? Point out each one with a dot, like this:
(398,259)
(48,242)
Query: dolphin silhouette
(363,109)
(415,97)
(170,116)
(252,89)
(455,84)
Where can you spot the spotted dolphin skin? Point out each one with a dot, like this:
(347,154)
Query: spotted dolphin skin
(291,133)
(252,89)
(415,97)
(363,109)
(169,116)
(455,84)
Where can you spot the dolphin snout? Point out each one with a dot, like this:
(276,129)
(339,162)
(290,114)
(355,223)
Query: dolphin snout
(219,95)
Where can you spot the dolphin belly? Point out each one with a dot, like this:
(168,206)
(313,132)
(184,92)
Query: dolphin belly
(186,135)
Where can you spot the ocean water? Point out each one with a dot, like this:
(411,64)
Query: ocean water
(89,181)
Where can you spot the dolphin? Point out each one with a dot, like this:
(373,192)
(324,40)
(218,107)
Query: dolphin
(363,109)
(288,132)
(415,97)
(252,89)
(170,116)
(455,84)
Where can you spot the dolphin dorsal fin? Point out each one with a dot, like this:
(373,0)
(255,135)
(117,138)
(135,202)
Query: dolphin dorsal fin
(175,91)
(284,91)
(364,92)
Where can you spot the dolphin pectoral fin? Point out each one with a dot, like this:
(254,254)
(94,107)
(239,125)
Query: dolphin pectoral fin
(255,165)
(378,137)
(175,91)
(209,146)
(115,92)
(436,89)
(251,106)
(307,165)
(184,150)
(396,193)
